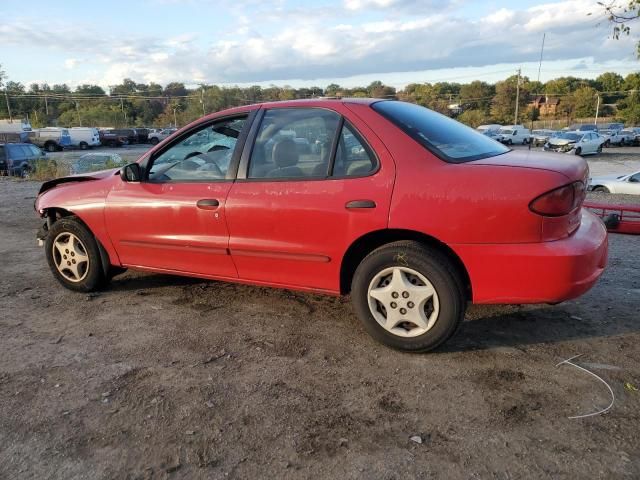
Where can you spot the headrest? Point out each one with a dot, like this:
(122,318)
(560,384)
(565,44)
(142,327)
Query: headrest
(285,153)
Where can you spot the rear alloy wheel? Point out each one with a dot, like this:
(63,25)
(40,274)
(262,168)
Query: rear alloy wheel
(73,256)
(409,297)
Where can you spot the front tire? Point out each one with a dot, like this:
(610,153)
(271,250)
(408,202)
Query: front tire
(579,151)
(154,141)
(408,296)
(73,256)
(84,145)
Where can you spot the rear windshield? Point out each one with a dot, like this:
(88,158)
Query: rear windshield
(444,137)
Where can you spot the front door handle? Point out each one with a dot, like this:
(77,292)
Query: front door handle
(208,204)
(360,204)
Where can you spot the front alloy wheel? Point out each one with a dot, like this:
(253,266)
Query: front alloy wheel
(70,257)
(73,255)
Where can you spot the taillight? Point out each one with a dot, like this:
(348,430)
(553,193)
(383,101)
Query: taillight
(559,201)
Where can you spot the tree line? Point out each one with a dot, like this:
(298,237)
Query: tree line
(150,104)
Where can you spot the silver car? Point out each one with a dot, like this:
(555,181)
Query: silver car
(629,184)
(578,143)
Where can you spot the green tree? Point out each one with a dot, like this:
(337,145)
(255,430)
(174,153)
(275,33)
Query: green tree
(584,102)
(609,82)
(473,118)
(504,103)
(477,95)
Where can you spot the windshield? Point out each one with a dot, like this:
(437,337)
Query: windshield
(444,137)
(570,136)
(506,131)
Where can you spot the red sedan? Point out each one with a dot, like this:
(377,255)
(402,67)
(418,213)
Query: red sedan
(410,212)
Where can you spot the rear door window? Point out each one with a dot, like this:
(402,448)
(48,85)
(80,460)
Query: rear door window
(294,143)
(446,138)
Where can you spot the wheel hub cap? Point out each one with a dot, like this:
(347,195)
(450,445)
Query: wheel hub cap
(403,301)
(70,257)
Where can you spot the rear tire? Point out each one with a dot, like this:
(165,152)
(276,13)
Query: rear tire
(84,145)
(73,256)
(50,147)
(154,141)
(601,189)
(408,296)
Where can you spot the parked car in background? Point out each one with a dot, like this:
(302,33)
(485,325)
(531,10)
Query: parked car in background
(129,133)
(581,127)
(19,158)
(629,184)
(513,135)
(160,134)
(633,133)
(504,226)
(491,130)
(16,130)
(142,135)
(616,137)
(109,138)
(579,143)
(84,137)
(91,162)
(542,136)
(50,138)
(613,126)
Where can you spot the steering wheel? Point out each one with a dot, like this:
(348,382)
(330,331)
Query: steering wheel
(217,147)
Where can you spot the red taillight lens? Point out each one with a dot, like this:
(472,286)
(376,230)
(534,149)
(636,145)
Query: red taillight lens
(560,201)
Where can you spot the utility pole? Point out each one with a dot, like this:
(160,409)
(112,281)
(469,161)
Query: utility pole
(515,122)
(202,100)
(6,95)
(46,106)
(597,108)
(78,111)
(175,120)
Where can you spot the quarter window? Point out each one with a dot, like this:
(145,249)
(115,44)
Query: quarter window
(204,155)
(353,156)
(294,143)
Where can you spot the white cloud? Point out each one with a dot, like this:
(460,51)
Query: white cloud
(271,42)
(70,63)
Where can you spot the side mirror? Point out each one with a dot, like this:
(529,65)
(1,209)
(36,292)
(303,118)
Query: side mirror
(131,173)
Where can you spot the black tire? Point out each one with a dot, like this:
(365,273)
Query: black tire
(509,142)
(607,144)
(601,189)
(579,151)
(434,266)
(50,146)
(599,150)
(94,277)
(525,141)
(112,144)
(84,145)
(154,141)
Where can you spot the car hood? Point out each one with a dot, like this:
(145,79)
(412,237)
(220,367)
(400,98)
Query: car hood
(561,141)
(573,167)
(85,177)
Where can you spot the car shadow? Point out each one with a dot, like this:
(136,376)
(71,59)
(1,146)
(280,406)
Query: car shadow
(519,327)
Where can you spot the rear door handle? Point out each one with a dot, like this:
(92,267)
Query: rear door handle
(208,204)
(360,204)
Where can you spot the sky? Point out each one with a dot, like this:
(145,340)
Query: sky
(298,43)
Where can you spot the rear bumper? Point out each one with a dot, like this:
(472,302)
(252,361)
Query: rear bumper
(545,272)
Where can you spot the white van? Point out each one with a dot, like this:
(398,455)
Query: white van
(84,137)
(20,128)
(50,138)
(513,135)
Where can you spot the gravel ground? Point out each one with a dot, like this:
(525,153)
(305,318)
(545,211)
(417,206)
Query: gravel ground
(167,377)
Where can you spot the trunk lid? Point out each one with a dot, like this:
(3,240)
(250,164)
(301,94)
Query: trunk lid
(572,167)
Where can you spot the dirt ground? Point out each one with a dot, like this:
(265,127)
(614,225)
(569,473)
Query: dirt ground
(167,377)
